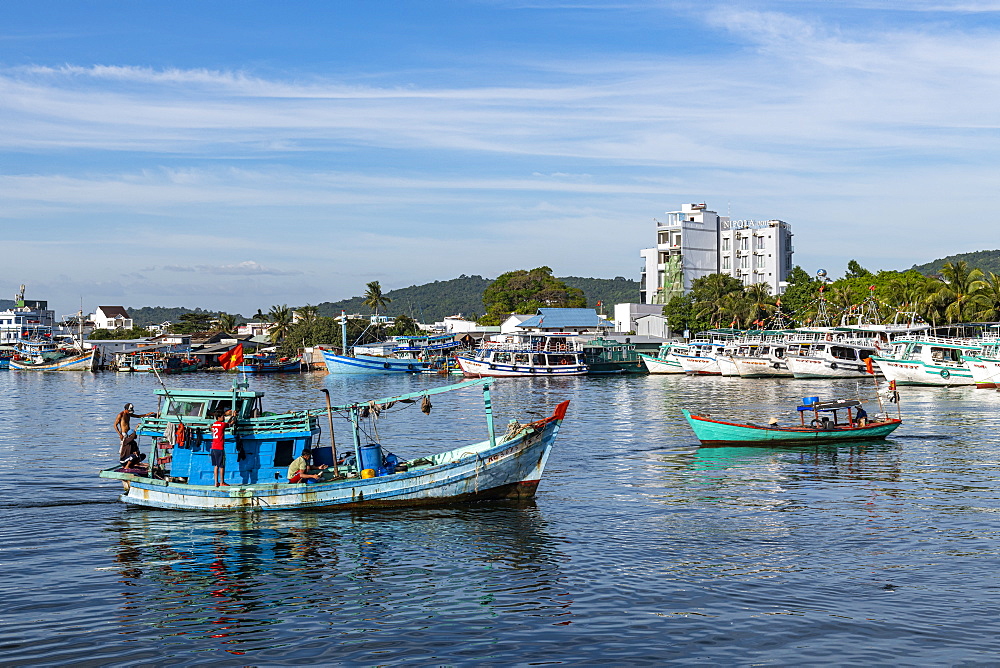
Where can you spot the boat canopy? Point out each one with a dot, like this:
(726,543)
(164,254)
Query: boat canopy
(830,405)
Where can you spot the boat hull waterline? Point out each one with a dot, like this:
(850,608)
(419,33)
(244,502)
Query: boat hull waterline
(719,432)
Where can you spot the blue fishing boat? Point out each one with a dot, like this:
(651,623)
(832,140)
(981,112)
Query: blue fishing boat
(265,363)
(404,354)
(823,427)
(43,354)
(262,445)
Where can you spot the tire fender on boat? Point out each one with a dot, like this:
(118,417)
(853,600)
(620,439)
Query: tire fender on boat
(945,373)
(386,365)
(833,365)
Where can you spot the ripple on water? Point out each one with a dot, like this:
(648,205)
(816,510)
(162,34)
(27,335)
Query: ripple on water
(640,547)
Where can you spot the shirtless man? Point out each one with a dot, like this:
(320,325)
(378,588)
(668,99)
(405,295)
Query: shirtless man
(129,454)
(123,421)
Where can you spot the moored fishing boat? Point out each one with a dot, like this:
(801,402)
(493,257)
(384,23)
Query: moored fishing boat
(819,429)
(928,360)
(664,361)
(265,363)
(262,445)
(984,364)
(607,356)
(700,358)
(45,355)
(534,354)
(406,354)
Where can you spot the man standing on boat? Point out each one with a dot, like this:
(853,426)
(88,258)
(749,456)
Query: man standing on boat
(218,451)
(123,421)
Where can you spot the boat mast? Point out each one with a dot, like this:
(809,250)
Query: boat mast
(343,334)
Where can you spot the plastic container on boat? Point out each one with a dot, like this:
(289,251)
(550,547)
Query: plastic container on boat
(809,401)
(368,473)
(371,456)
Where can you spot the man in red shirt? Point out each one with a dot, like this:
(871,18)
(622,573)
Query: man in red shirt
(218,452)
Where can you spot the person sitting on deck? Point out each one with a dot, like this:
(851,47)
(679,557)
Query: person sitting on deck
(861,417)
(129,456)
(298,470)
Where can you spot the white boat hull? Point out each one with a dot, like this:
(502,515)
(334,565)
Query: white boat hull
(811,367)
(912,372)
(702,366)
(480,369)
(661,365)
(727,366)
(761,367)
(985,371)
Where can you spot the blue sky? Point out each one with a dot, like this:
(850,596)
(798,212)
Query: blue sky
(237,155)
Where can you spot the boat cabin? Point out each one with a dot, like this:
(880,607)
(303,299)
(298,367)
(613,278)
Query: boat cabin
(259,445)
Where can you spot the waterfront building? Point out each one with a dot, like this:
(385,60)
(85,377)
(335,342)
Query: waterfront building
(111,317)
(28,319)
(696,242)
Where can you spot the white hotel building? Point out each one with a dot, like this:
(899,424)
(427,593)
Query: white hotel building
(696,242)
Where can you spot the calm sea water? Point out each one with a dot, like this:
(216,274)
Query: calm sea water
(640,547)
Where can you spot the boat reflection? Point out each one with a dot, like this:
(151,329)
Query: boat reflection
(246,581)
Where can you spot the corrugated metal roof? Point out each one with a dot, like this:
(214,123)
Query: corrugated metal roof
(566,318)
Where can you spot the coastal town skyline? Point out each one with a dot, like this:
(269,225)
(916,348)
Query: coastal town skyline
(233,157)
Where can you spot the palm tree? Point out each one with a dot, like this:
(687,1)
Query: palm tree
(736,309)
(225,323)
(306,314)
(958,289)
(988,299)
(759,301)
(280,318)
(374,299)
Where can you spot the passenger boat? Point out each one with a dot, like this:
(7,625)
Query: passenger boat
(761,359)
(605,357)
(534,354)
(46,355)
(507,465)
(664,361)
(700,358)
(146,361)
(984,365)
(6,355)
(265,363)
(819,429)
(928,360)
(831,356)
(406,354)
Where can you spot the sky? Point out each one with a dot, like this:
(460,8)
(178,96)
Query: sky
(235,155)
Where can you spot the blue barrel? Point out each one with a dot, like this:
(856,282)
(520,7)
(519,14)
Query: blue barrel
(371,456)
(808,401)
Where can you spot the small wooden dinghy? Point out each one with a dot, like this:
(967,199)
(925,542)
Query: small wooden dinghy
(823,426)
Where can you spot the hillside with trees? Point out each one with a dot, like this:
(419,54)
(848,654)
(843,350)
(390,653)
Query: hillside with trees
(985,261)
(435,301)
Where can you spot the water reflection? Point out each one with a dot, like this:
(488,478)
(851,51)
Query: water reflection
(244,580)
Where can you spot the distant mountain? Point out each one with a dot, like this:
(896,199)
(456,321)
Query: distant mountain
(986,261)
(432,302)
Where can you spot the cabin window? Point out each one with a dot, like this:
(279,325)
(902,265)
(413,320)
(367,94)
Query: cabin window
(501,358)
(184,408)
(283,453)
(521,358)
(538,360)
(219,406)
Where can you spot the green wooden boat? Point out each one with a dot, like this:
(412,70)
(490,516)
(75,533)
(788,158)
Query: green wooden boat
(821,428)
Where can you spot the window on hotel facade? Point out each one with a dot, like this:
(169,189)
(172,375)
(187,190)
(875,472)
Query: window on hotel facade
(725,244)
(725,263)
(758,243)
(744,243)
(744,262)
